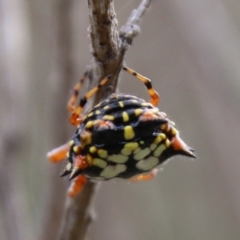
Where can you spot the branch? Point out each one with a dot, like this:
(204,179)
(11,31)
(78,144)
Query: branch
(103,30)
(108,51)
(131,29)
(78,214)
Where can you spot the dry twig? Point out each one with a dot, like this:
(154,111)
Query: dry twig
(108,49)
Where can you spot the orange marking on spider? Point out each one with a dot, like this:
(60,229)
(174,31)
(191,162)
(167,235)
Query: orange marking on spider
(80,163)
(75,120)
(103,124)
(148,115)
(144,177)
(178,144)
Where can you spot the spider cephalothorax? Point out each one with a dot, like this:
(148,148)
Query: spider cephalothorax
(122,137)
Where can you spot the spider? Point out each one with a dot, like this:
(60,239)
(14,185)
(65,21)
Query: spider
(121,137)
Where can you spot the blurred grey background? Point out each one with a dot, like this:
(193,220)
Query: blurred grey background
(191,51)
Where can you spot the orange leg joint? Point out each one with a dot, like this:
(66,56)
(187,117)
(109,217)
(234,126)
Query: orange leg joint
(58,154)
(76,186)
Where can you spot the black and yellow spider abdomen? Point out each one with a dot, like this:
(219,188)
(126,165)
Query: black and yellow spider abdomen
(124,136)
(121,137)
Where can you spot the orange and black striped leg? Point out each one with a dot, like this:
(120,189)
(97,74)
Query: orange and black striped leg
(75,117)
(76,90)
(147,82)
(144,177)
(58,154)
(73,98)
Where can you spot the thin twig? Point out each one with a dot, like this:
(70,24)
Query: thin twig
(131,29)
(108,49)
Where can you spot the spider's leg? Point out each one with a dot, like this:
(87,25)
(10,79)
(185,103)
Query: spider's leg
(74,119)
(73,98)
(58,154)
(144,177)
(78,180)
(76,185)
(147,82)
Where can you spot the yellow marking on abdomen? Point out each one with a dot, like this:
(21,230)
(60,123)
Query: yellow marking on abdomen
(153,146)
(99,163)
(159,138)
(75,149)
(108,117)
(145,104)
(129,148)
(126,151)
(113,171)
(117,158)
(142,154)
(137,150)
(106,107)
(125,116)
(121,104)
(138,111)
(102,153)
(92,149)
(147,164)
(89,124)
(174,131)
(159,150)
(129,132)
(167,143)
(97,112)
